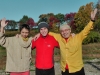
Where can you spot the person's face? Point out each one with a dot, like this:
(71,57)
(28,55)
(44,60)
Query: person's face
(65,32)
(24,33)
(43,31)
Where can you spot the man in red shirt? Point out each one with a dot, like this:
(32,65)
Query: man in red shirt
(44,45)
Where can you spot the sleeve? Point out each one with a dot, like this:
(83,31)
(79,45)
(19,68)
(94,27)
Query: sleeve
(33,44)
(56,44)
(83,34)
(55,35)
(3,40)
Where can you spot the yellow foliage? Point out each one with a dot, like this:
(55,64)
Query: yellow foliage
(83,16)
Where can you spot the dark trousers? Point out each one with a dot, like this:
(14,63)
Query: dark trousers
(45,71)
(81,72)
(66,72)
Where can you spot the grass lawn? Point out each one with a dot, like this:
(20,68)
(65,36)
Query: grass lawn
(2,52)
(2,57)
(91,51)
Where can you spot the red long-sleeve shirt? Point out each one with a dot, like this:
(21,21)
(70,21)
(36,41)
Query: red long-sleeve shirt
(44,51)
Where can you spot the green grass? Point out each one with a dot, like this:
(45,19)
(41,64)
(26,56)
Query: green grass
(2,48)
(91,51)
(2,52)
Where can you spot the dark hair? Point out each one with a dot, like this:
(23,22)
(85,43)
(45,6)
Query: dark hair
(26,26)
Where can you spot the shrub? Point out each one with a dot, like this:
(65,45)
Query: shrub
(11,33)
(93,37)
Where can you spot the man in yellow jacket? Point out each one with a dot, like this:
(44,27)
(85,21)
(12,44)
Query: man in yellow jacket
(71,47)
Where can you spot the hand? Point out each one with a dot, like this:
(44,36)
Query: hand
(17,35)
(73,34)
(3,22)
(93,14)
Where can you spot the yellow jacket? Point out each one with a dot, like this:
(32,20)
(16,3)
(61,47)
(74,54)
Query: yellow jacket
(71,52)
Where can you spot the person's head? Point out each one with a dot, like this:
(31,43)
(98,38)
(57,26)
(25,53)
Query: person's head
(24,30)
(65,30)
(43,28)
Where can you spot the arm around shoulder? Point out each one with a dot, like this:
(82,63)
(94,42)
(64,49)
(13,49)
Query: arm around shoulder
(57,36)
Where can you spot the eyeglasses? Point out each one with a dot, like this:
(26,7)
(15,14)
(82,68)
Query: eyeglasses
(65,30)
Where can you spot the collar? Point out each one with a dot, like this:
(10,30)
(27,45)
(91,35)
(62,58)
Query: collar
(66,39)
(25,39)
(24,43)
(44,36)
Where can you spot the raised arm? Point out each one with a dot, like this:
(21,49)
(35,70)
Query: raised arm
(3,40)
(93,14)
(89,26)
(3,25)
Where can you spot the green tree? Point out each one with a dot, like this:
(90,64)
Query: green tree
(12,25)
(24,19)
(45,17)
(60,17)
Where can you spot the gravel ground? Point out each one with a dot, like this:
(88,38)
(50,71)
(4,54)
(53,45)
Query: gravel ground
(91,68)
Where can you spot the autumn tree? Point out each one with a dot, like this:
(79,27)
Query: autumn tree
(82,17)
(54,23)
(69,18)
(50,18)
(55,20)
(60,17)
(27,20)
(81,20)
(97,21)
(30,22)
(42,18)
